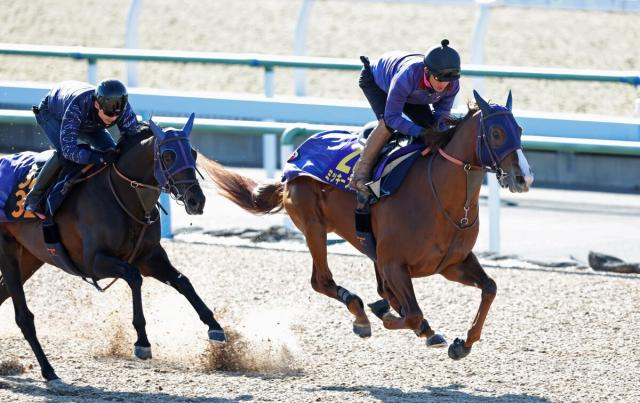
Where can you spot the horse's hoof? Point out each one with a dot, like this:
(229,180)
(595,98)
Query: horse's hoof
(217,336)
(379,308)
(144,353)
(362,330)
(436,341)
(457,350)
(56,385)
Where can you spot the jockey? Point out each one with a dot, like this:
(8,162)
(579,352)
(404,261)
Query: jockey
(74,111)
(400,83)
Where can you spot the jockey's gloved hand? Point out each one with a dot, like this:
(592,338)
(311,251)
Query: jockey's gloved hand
(96,157)
(111,156)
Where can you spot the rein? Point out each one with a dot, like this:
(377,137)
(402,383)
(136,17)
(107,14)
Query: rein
(473,176)
(141,190)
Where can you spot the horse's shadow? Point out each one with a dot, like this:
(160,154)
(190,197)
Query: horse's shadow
(451,393)
(37,389)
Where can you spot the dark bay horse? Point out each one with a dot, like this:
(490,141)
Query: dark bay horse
(429,226)
(110,229)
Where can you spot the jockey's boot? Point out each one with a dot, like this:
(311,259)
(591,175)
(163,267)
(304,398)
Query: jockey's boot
(34,201)
(362,170)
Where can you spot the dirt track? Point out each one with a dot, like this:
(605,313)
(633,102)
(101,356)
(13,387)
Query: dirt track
(551,335)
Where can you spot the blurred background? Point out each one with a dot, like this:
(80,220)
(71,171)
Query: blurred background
(586,132)
(545,36)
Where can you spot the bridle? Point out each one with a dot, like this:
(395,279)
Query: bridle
(487,155)
(164,175)
(474,174)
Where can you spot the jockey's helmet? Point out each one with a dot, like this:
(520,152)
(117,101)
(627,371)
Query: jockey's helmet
(443,62)
(112,97)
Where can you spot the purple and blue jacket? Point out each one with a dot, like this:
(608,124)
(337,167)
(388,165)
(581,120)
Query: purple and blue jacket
(72,104)
(401,76)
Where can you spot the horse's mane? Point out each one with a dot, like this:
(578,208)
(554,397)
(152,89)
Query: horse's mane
(126,143)
(439,139)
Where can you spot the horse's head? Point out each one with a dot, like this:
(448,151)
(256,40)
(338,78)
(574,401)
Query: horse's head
(499,145)
(175,165)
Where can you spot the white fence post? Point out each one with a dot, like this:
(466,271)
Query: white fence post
(269,140)
(300,44)
(131,40)
(494,213)
(477,57)
(92,72)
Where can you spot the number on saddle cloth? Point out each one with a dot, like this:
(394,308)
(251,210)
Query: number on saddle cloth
(17,176)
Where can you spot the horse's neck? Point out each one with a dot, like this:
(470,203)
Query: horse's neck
(463,144)
(136,164)
(454,185)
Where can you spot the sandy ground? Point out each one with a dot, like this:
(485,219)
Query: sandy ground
(516,36)
(563,335)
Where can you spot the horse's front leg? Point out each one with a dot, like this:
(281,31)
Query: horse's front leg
(398,290)
(158,266)
(471,273)
(106,266)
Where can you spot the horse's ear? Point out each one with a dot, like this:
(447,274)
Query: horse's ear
(189,125)
(509,101)
(484,106)
(157,131)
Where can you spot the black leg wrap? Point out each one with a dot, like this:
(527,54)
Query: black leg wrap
(424,328)
(380,308)
(346,296)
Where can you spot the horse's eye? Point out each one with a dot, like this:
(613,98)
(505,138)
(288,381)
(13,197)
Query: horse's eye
(168,158)
(497,136)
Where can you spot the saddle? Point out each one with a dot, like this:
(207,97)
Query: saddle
(330,156)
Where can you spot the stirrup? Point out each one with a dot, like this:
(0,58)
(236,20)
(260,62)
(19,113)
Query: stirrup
(36,209)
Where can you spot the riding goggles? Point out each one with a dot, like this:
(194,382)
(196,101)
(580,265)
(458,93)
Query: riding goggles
(446,74)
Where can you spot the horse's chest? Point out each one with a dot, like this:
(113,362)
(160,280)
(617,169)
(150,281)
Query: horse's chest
(450,251)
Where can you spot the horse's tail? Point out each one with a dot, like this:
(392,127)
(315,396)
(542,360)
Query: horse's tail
(257,198)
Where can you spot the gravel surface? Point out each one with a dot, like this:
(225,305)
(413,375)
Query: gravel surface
(516,36)
(552,335)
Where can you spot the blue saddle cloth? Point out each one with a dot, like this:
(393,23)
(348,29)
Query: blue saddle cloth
(17,174)
(330,156)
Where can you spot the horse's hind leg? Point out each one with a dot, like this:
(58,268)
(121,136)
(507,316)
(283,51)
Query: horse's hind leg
(158,266)
(108,266)
(9,250)
(471,273)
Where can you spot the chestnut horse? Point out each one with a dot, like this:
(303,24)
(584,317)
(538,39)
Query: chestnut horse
(111,230)
(429,226)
